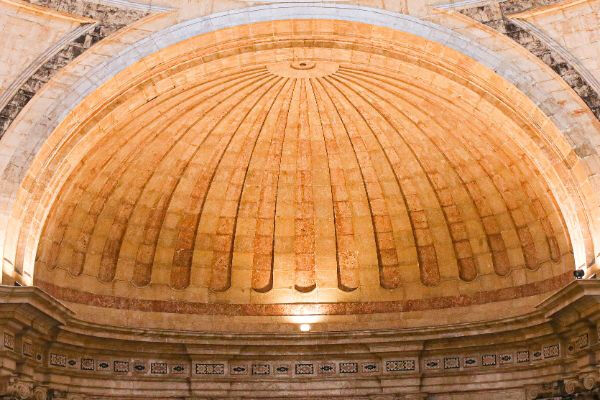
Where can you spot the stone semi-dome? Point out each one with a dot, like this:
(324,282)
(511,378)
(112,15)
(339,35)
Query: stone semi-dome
(270,176)
(299,199)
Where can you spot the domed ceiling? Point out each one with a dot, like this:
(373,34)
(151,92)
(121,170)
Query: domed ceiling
(304,172)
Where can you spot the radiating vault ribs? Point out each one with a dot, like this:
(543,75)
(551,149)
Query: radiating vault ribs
(303,68)
(304,177)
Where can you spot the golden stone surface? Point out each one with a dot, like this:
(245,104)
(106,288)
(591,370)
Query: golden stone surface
(280,173)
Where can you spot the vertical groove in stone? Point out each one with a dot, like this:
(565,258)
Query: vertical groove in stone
(188,224)
(390,273)
(263,241)
(269,181)
(342,138)
(533,255)
(304,218)
(344,203)
(143,136)
(145,257)
(454,220)
(130,196)
(236,180)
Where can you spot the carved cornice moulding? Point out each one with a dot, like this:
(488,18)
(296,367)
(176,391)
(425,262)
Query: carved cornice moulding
(537,349)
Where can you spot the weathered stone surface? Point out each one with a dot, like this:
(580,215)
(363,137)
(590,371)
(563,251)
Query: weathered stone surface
(109,20)
(497,16)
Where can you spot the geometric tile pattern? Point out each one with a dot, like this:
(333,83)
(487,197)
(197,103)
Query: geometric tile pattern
(451,363)
(400,365)
(551,351)
(58,360)
(261,369)
(27,349)
(9,341)
(158,368)
(582,341)
(87,364)
(304,369)
(121,366)
(309,368)
(488,360)
(523,356)
(210,369)
(348,368)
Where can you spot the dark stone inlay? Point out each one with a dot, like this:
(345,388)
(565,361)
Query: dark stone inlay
(204,369)
(305,369)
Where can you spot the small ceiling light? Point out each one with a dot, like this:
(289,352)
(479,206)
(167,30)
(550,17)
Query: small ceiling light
(304,328)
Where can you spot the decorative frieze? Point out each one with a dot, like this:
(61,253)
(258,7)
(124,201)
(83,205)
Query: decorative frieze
(304,369)
(209,369)
(27,348)
(282,369)
(407,368)
(523,356)
(505,359)
(121,366)
(238,369)
(261,369)
(469,362)
(314,369)
(400,365)
(348,368)
(103,366)
(488,360)
(159,368)
(327,368)
(139,367)
(451,362)
(9,341)
(551,351)
(87,364)
(432,364)
(178,369)
(58,360)
(369,367)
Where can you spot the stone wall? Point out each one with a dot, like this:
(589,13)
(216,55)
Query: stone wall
(108,19)
(39,28)
(550,353)
(572,26)
(498,17)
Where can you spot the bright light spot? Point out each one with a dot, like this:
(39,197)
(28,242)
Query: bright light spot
(305,319)
(305,328)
